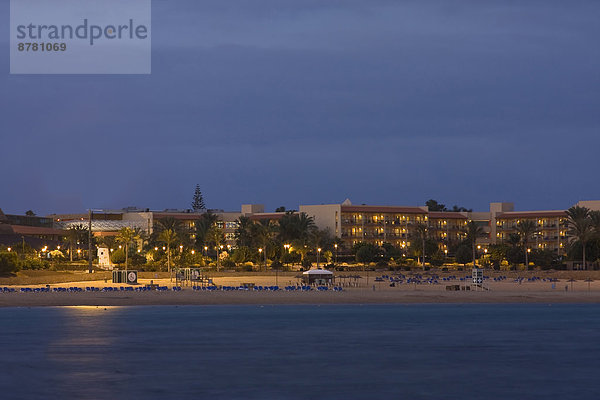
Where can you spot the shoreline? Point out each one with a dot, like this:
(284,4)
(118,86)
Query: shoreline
(347,297)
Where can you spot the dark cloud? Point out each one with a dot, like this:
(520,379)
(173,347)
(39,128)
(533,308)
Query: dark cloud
(287,102)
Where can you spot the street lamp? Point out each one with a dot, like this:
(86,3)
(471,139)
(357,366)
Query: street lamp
(336,246)
(287,248)
(218,248)
(318,254)
(260,250)
(9,249)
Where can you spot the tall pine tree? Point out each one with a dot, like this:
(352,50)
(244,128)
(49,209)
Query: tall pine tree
(198,200)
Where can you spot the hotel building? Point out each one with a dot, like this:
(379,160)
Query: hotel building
(37,232)
(395,224)
(109,222)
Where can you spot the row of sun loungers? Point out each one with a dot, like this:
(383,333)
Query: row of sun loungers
(266,288)
(166,288)
(434,280)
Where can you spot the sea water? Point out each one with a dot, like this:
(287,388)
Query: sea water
(302,352)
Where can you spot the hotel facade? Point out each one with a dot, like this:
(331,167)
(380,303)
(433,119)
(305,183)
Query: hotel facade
(349,223)
(353,224)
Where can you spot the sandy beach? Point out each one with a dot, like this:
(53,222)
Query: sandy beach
(368,291)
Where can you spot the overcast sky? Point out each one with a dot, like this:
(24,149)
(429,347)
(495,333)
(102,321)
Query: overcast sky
(307,102)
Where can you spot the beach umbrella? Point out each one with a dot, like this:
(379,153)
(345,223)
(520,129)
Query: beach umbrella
(572,280)
(589,280)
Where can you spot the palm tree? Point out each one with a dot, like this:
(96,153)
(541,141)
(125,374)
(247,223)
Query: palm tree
(306,226)
(127,236)
(581,226)
(577,213)
(422,231)
(215,237)
(526,228)
(263,232)
(595,217)
(473,231)
(288,227)
(203,225)
(243,232)
(293,226)
(169,223)
(514,239)
(301,248)
(168,236)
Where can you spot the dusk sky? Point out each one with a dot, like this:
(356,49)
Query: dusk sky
(308,102)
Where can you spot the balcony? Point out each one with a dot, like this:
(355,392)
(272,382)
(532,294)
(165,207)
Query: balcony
(371,223)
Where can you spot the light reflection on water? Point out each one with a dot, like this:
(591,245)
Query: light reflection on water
(87,328)
(432,351)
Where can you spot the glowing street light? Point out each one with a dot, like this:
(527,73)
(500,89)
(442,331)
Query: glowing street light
(9,249)
(260,250)
(318,256)
(218,248)
(287,248)
(336,246)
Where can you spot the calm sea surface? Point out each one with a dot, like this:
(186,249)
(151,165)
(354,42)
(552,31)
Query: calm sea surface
(338,352)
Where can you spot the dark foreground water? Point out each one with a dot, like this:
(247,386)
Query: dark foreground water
(329,352)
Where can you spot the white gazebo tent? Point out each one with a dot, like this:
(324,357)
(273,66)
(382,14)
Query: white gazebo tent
(317,276)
